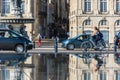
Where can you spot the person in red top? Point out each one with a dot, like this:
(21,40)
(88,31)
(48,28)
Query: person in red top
(39,40)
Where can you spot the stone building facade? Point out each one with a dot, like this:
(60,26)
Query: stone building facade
(83,16)
(11,18)
(15,18)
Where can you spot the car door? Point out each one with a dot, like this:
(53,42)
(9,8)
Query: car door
(78,41)
(8,41)
(81,39)
(5,41)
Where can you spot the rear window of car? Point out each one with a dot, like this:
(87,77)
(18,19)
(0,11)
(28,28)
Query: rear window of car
(85,37)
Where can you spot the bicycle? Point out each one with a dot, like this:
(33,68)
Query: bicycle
(89,44)
(88,57)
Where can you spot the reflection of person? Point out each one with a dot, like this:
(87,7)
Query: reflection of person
(99,62)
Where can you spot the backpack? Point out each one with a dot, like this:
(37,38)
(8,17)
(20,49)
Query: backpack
(100,35)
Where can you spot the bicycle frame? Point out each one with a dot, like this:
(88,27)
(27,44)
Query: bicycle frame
(93,43)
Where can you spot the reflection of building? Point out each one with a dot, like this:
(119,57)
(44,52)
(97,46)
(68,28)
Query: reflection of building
(47,67)
(80,71)
(83,16)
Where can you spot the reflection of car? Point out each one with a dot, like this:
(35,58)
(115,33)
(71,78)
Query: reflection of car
(11,40)
(75,42)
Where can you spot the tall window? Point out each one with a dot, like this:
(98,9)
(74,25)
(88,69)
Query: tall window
(117,5)
(23,6)
(3,25)
(103,5)
(103,75)
(5,74)
(117,75)
(87,75)
(87,7)
(5,7)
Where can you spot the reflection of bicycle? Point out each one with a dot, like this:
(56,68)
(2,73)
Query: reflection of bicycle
(89,44)
(88,57)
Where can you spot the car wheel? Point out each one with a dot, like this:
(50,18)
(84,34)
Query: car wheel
(70,47)
(19,48)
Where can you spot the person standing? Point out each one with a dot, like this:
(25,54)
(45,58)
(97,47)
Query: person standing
(39,40)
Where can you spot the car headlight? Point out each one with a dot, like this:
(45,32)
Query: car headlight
(30,43)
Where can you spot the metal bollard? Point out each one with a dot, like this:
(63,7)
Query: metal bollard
(25,49)
(55,46)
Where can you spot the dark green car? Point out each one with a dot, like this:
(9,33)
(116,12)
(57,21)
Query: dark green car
(75,42)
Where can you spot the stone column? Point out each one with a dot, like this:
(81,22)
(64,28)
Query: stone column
(95,6)
(79,7)
(0,6)
(111,6)
(111,30)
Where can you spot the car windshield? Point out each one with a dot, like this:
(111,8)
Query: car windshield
(77,36)
(82,36)
(16,33)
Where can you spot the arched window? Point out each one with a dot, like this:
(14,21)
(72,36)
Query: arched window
(87,22)
(87,6)
(117,5)
(105,35)
(103,5)
(103,22)
(118,23)
(5,7)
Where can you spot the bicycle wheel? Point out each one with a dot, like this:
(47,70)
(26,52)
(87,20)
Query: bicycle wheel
(107,45)
(87,45)
(100,45)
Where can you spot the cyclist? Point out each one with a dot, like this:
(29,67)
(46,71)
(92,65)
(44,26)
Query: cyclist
(95,35)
